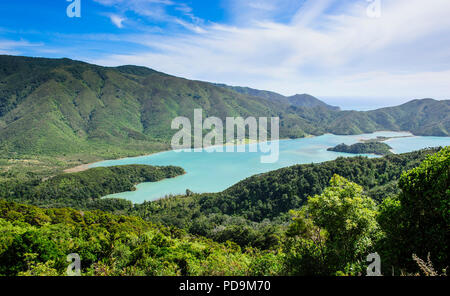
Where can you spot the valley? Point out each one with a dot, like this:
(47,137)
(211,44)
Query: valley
(86,166)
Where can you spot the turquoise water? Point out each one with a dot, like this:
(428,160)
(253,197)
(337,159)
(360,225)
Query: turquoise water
(214,172)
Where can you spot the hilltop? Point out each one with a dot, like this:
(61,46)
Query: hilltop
(298,100)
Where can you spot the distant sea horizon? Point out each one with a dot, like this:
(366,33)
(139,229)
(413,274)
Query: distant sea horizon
(368,103)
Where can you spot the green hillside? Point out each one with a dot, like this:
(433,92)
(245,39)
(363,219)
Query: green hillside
(272,195)
(303,100)
(248,213)
(84,190)
(330,232)
(36,242)
(425,117)
(363,148)
(65,107)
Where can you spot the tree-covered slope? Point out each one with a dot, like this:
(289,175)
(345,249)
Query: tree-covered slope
(331,234)
(271,195)
(36,242)
(248,213)
(61,106)
(422,117)
(417,221)
(308,101)
(84,190)
(267,195)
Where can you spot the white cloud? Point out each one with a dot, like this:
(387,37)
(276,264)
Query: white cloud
(249,11)
(12,47)
(310,11)
(406,52)
(117,20)
(153,10)
(195,28)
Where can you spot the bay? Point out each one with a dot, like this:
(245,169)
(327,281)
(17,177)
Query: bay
(216,171)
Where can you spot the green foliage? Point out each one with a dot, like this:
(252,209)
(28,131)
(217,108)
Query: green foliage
(253,212)
(417,220)
(51,107)
(83,190)
(267,264)
(38,269)
(363,148)
(268,195)
(303,100)
(112,245)
(54,113)
(331,234)
(335,230)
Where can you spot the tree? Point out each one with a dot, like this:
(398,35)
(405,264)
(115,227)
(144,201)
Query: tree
(417,220)
(339,226)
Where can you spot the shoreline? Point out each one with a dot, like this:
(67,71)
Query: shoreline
(77,169)
(84,167)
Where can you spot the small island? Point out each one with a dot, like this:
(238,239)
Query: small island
(373,147)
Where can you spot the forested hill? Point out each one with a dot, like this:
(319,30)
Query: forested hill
(61,106)
(53,106)
(303,100)
(84,190)
(373,147)
(330,235)
(272,194)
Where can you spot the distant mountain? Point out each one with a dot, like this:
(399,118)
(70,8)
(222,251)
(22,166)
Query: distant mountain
(303,100)
(61,106)
(309,101)
(422,117)
(425,117)
(54,106)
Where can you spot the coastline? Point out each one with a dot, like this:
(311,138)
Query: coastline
(85,167)
(196,182)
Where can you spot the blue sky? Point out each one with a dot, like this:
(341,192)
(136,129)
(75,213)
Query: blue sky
(352,53)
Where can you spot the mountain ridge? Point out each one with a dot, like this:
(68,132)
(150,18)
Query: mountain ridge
(63,106)
(298,100)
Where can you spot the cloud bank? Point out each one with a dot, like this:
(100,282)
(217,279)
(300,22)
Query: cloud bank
(325,48)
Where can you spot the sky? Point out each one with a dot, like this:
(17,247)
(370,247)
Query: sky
(358,54)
